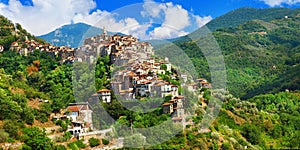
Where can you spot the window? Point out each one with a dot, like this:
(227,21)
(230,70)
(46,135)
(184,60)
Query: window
(74,113)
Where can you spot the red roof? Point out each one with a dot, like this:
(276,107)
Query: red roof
(77,107)
(73,108)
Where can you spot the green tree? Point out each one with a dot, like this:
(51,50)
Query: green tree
(36,139)
(94,142)
(42,117)
(226,146)
(9,109)
(3,136)
(28,116)
(77,144)
(67,135)
(105,141)
(251,133)
(163,66)
(12,128)
(59,147)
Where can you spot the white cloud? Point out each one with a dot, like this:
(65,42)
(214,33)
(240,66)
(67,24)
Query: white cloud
(105,19)
(47,15)
(167,13)
(201,21)
(151,9)
(273,3)
(174,19)
(176,16)
(166,32)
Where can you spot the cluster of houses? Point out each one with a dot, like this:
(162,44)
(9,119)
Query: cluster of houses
(117,47)
(100,45)
(141,79)
(25,47)
(136,75)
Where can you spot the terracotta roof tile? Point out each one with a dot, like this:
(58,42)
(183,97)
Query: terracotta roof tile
(73,108)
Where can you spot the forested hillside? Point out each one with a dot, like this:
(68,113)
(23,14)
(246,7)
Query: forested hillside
(31,88)
(260,56)
(242,15)
(263,122)
(10,32)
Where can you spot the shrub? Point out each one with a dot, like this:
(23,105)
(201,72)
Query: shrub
(28,116)
(3,136)
(80,144)
(215,135)
(67,135)
(60,139)
(226,146)
(58,122)
(94,142)
(76,145)
(188,126)
(64,126)
(36,138)
(73,146)
(251,133)
(105,142)
(42,117)
(12,128)
(59,147)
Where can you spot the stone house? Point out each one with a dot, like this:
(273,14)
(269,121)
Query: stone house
(80,112)
(105,95)
(168,108)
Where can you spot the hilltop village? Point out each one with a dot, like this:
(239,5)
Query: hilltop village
(63,53)
(139,75)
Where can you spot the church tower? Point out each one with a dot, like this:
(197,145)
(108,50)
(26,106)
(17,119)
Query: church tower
(104,32)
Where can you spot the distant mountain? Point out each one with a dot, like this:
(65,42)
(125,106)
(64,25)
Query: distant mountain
(71,35)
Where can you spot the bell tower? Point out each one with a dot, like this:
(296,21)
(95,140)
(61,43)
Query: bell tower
(104,32)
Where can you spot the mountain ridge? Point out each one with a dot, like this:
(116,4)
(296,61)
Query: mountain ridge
(240,16)
(258,54)
(72,35)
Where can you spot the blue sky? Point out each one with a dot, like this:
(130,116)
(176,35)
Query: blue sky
(142,18)
(214,8)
